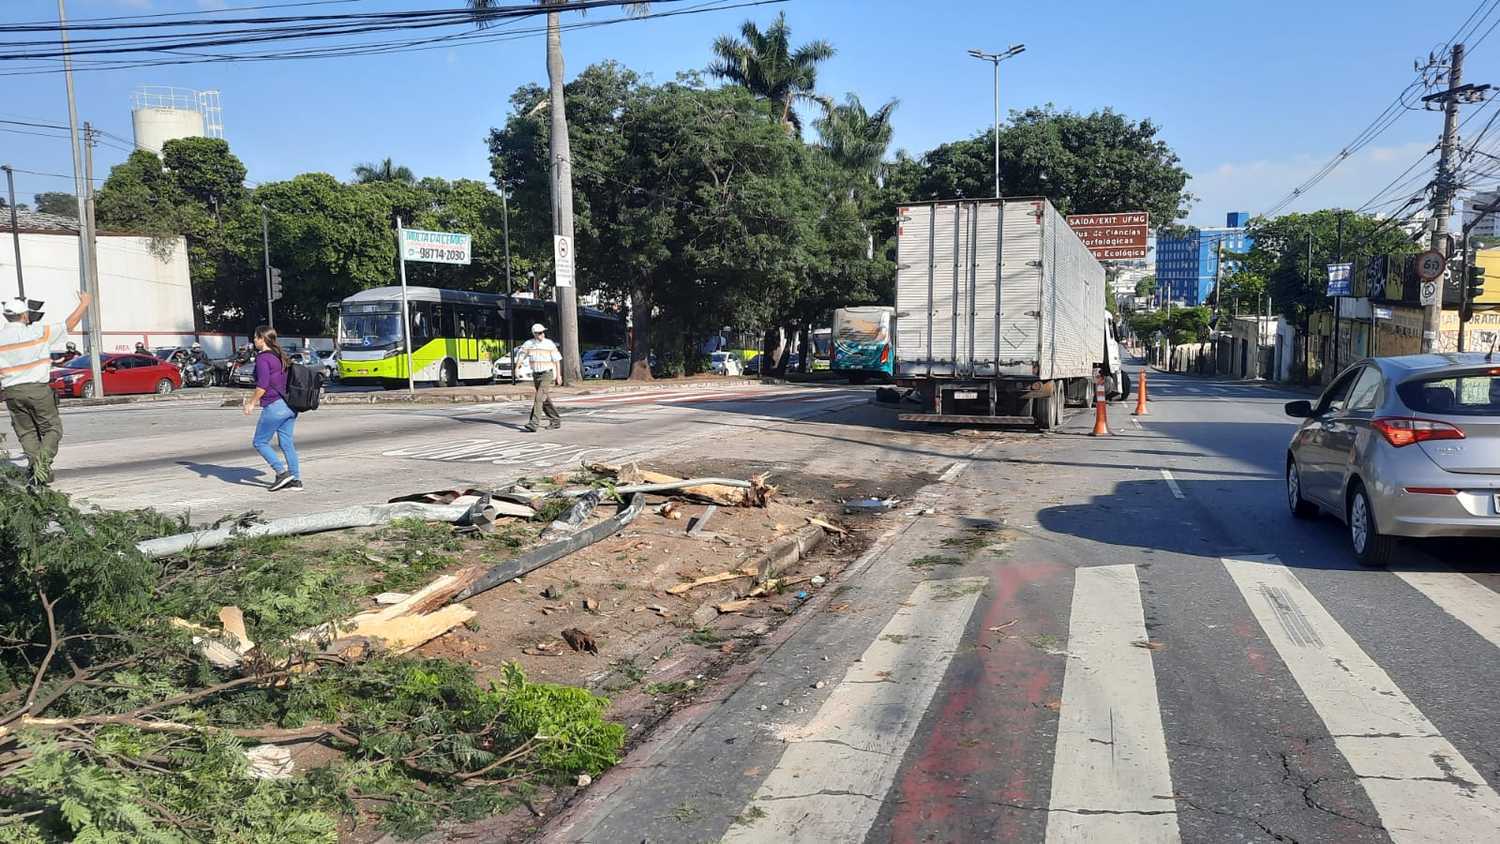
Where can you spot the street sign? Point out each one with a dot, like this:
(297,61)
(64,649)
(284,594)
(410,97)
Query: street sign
(562,259)
(1430,265)
(1382,313)
(435,247)
(1340,280)
(1429,293)
(1113,236)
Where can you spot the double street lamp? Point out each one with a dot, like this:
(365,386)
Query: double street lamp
(996,59)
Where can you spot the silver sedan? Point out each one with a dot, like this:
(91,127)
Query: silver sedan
(1401,447)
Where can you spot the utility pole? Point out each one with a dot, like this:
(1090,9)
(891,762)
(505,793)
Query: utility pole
(265,251)
(90,222)
(562,198)
(15,229)
(1307,336)
(1338,300)
(90,282)
(1442,199)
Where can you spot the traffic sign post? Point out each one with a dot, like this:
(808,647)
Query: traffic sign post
(562,260)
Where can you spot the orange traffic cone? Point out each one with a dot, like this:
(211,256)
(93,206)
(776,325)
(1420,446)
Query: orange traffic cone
(1101,411)
(1140,397)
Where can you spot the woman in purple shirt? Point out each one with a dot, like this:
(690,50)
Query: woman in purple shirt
(275,416)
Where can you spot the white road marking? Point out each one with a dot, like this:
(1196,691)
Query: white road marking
(1172,484)
(953,471)
(1110,778)
(1461,597)
(835,772)
(1420,785)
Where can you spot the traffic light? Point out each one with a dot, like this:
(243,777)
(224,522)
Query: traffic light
(1473,287)
(275,284)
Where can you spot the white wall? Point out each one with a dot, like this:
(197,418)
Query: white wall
(139,293)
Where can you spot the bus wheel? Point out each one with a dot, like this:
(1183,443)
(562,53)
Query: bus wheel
(448,375)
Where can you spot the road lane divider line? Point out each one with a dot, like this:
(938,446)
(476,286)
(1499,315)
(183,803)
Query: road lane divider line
(1421,786)
(953,471)
(835,772)
(1110,776)
(1172,484)
(1460,596)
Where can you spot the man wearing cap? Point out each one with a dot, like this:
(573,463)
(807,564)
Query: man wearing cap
(546,370)
(25,370)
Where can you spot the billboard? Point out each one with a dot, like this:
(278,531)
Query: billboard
(434,247)
(1113,236)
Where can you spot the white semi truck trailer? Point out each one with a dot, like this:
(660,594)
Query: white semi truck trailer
(1000,315)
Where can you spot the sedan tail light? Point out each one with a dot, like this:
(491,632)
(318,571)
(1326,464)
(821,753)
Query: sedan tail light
(1404,432)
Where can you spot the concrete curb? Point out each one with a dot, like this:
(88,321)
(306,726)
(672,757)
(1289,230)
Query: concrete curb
(779,556)
(523,392)
(184,394)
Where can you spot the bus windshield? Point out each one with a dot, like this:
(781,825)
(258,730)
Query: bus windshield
(369,331)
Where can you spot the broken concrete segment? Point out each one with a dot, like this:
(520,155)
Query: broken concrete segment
(695,529)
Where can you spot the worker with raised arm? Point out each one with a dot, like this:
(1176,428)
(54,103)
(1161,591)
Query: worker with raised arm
(25,373)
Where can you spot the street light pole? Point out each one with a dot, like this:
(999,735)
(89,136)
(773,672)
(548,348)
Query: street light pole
(510,296)
(85,244)
(995,59)
(15,229)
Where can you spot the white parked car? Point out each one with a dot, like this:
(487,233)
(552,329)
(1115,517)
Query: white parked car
(726,363)
(502,369)
(606,363)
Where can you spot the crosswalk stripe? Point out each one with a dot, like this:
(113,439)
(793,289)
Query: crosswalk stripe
(1421,786)
(1461,597)
(835,772)
(1110,777)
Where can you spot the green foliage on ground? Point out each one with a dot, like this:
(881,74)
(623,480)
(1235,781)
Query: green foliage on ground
(143,740)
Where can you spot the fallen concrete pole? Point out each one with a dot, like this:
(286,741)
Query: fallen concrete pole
(349,517)
(541,556)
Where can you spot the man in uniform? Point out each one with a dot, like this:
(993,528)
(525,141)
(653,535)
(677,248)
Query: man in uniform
(546,370)
(25,372)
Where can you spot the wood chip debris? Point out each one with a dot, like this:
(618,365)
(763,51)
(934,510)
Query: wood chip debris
(828,526)
(721,577)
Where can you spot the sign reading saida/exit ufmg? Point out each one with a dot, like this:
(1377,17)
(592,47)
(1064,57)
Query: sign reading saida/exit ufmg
(1113,236)
(435,247)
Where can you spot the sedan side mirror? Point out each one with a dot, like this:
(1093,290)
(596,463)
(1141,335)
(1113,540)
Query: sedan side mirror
(1300,409)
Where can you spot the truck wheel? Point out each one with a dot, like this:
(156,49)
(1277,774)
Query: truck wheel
(1124,386)
(1045,411)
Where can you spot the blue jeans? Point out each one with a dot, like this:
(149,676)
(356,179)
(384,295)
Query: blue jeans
(276,418)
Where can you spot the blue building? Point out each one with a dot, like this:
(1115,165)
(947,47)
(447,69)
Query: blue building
(1186,266)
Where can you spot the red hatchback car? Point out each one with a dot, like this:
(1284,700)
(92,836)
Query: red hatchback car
(122,374)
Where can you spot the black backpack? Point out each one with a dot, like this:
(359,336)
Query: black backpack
(304,388)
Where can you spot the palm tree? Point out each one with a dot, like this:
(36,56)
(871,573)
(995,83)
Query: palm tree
(766,64)
(562,167)
(856,139)
(384,171)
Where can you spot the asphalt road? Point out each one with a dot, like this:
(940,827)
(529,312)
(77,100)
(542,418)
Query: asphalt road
(195,456)
(1100,640)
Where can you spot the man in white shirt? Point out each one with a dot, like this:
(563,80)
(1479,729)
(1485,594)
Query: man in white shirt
(25,373)
(546,370)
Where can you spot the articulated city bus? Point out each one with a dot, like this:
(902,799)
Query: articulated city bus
(456,335)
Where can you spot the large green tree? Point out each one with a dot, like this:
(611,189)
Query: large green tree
(55,202)
(1281,247)
(765,63)
(1085,164)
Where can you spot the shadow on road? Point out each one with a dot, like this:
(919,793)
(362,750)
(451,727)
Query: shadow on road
(236,475)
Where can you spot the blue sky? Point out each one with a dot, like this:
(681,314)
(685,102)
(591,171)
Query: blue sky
(1253,97)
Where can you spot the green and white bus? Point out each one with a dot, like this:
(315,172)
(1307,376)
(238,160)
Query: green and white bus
(456,335)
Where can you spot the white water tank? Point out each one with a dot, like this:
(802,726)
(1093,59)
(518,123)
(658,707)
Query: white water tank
(160,113)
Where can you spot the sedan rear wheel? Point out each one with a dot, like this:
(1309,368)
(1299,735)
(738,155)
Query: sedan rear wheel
(1371,547)
(1301,507)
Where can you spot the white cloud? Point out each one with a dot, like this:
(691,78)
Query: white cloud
(1256,186)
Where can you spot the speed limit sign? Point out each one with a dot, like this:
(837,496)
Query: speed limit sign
(1430,265)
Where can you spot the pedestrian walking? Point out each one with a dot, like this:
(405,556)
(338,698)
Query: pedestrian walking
(546,371)
(25,373)
(276,417)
